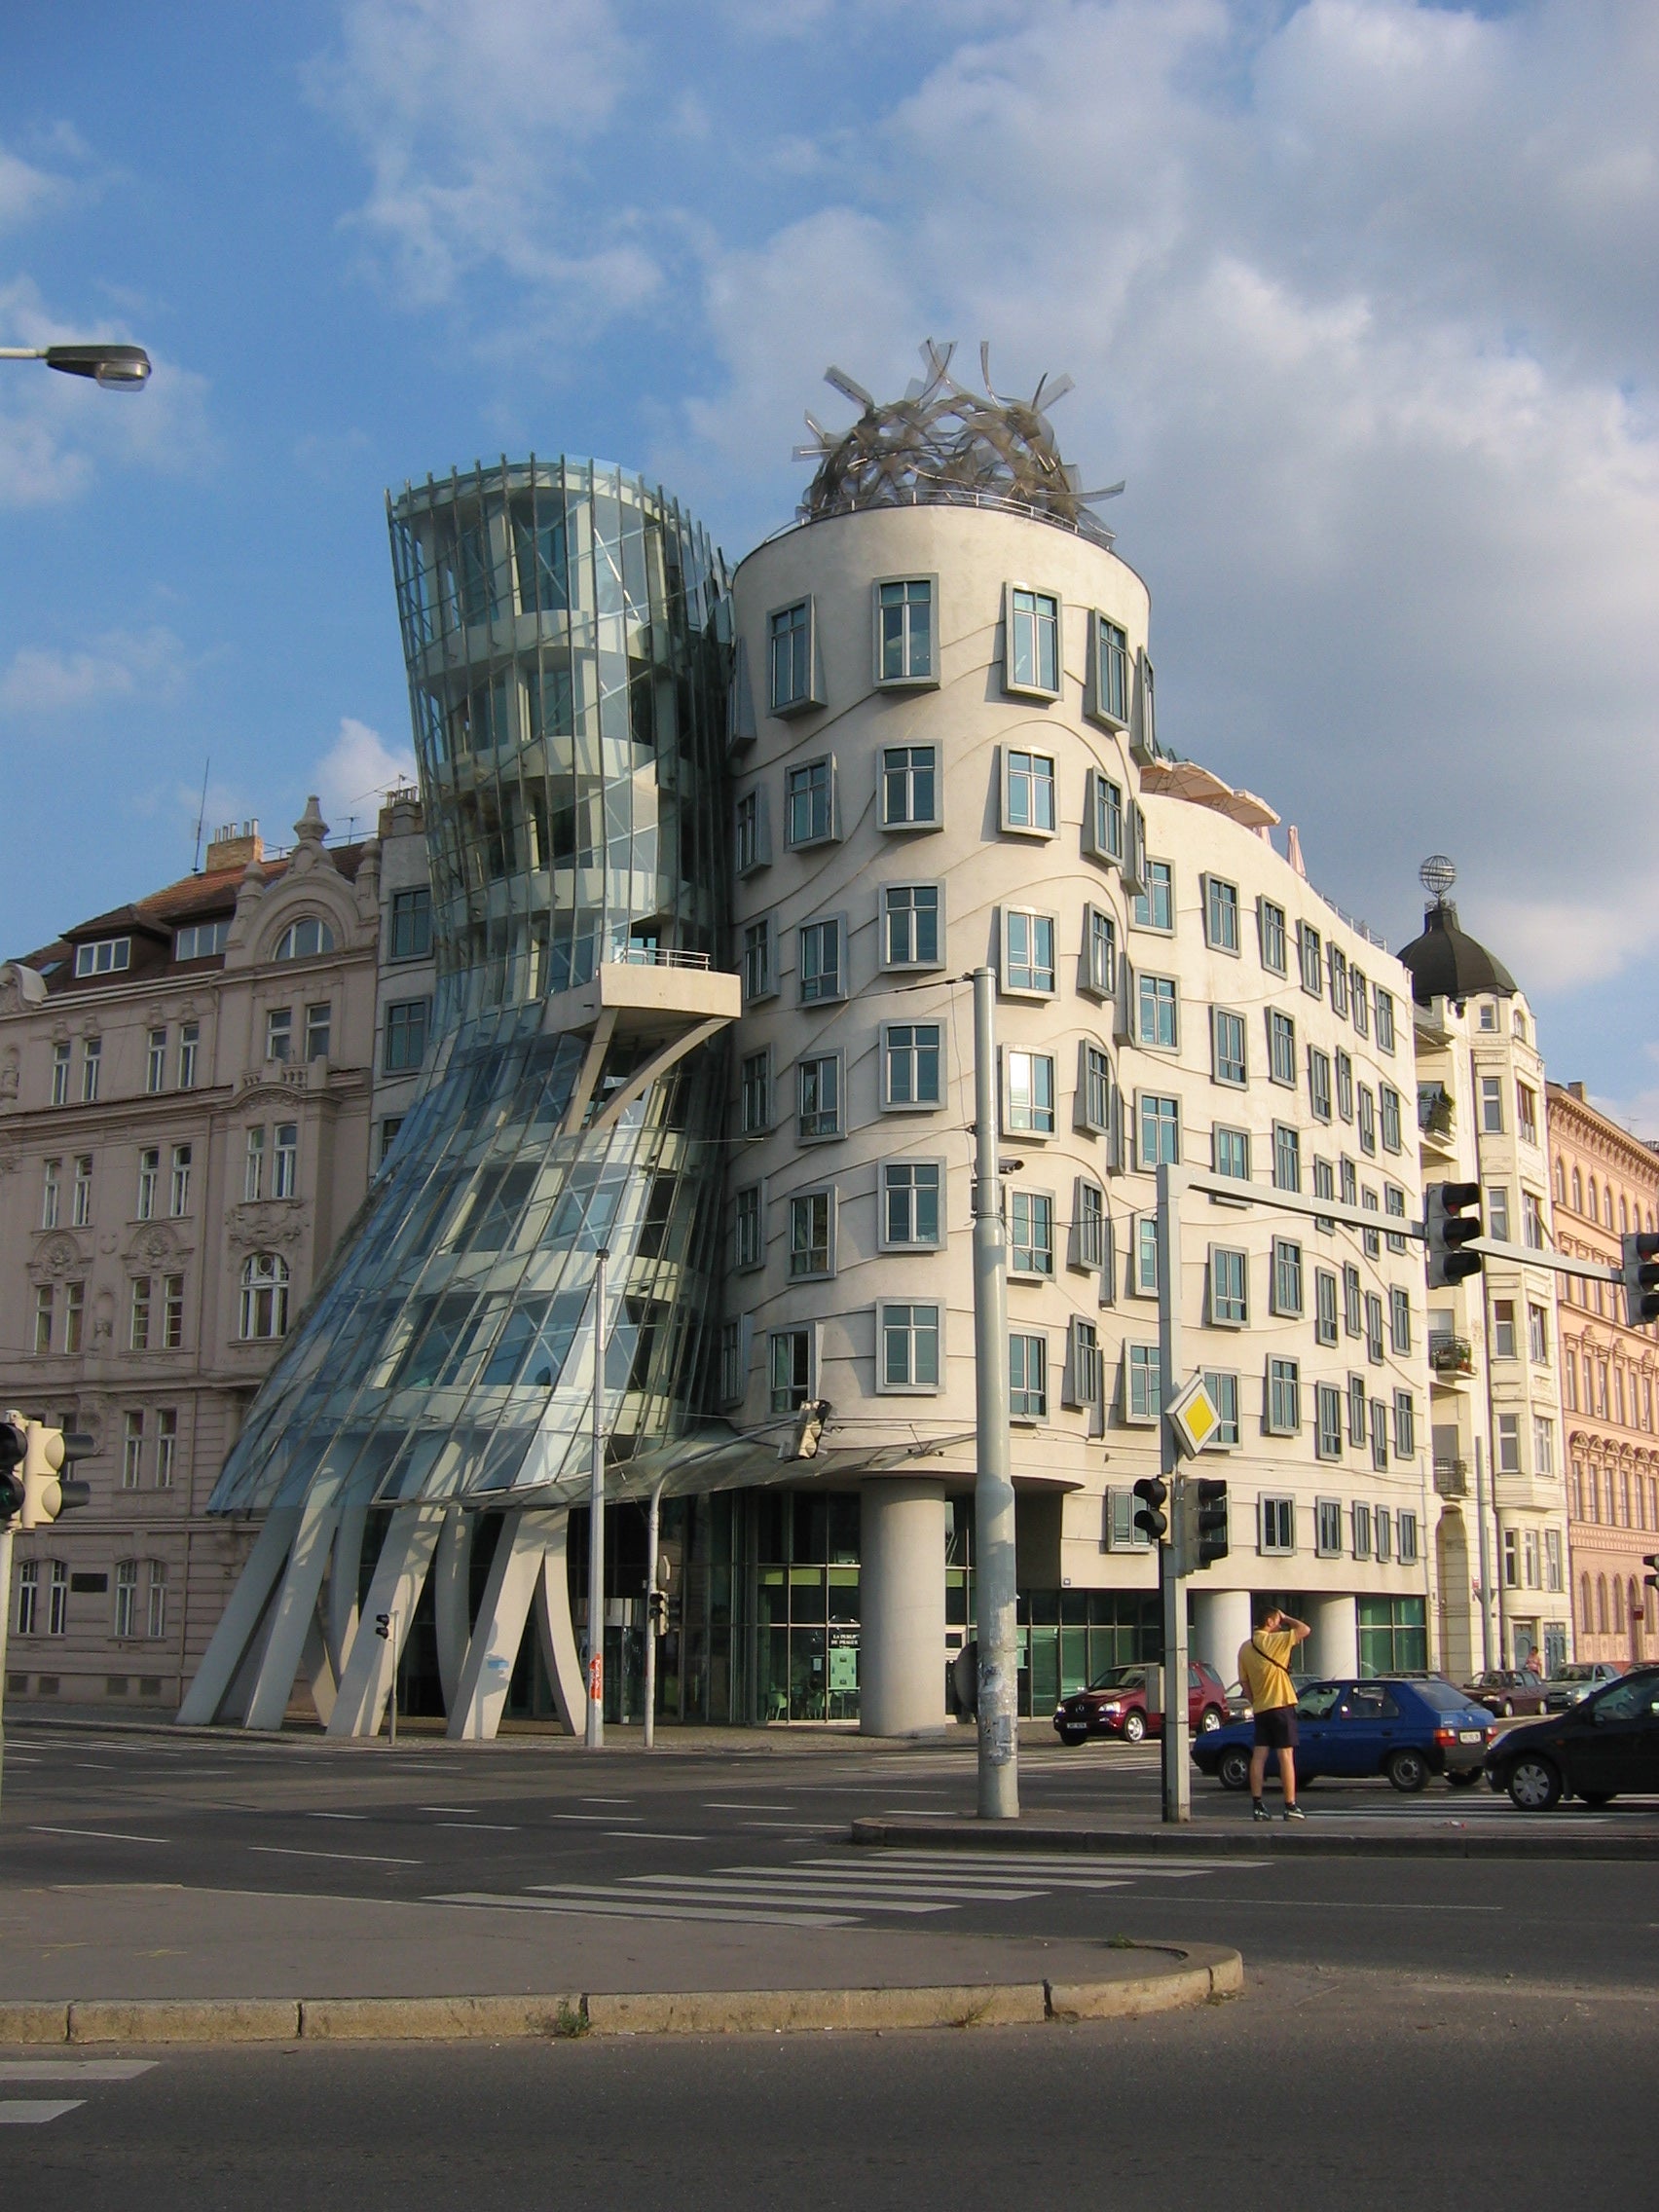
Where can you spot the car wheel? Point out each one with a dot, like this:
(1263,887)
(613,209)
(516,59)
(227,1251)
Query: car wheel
(1597,1798)
(1407,1770)
(1509,1708)
(1533,1785)
(1466,1777)
(1135,1727)
(1209,1720)
(1233,1768)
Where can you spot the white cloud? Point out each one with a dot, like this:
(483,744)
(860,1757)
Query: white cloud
(352,775)
(1358,296)
(473,115)
(57,431)
(122,664)
(23,189)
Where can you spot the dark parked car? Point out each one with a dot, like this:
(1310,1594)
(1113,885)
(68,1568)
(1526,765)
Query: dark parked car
(1407,1728)
(1507,1691)
(1118,1704)
(1607,1742)
(1572,1685)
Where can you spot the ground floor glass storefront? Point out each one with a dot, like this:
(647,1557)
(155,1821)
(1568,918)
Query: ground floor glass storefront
(1394,1636)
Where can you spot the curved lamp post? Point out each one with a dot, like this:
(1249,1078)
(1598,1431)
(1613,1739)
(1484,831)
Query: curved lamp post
(118,368)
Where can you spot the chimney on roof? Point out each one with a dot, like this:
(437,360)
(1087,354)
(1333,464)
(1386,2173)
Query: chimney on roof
(1578,1091)
(232,845)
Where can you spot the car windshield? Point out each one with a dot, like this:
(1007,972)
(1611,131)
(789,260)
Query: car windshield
(1121,1679)
(1445,1697)
(1574,1673)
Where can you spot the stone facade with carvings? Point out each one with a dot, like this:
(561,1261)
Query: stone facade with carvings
(186,1101)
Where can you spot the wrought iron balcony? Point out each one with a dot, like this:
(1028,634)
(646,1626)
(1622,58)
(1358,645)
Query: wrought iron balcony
(1452,1478)
(1449,1355)
(1437,1116)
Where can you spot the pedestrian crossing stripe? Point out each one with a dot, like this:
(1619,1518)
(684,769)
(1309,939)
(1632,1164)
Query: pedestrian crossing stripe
(36,2073)
(841,1892)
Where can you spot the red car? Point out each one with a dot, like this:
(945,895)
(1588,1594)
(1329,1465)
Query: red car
(1116,1704)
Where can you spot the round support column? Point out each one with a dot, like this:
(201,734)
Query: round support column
(1221,1623)
(1334,1646)
(902,1654)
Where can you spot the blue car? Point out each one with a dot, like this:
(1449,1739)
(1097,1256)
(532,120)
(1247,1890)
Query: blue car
(1407,1727)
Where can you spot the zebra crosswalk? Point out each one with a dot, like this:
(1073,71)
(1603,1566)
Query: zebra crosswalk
(55,2073)
(844,1891)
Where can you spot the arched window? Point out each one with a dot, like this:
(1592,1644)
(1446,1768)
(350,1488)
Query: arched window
(1577,1192)
(1584,1614)
(1560,1182)
(303,939)
(1624,1217)
(1577,1490)
(1600,1605)
(1635,1595)
(1616,1627)
(1520,1025)
(265,1296)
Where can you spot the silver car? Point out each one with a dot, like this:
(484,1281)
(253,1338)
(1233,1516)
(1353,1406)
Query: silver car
(1571,1685)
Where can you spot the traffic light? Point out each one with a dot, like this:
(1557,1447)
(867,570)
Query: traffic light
(12,1446)
(1150,1517)
(1450,1226)
(35,1475)
(657,1604)
(1640,1268)
(1209,1519)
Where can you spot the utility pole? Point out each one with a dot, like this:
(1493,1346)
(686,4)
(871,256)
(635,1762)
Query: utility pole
(1177,1776)
(594,1734)
(5,1625)
(1481,1536)
(994,1564)
(653,1523)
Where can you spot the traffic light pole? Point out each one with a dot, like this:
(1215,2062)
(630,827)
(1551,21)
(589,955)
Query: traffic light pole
(994,1570)
(1177,1774)
(653,1526)
(5,1629)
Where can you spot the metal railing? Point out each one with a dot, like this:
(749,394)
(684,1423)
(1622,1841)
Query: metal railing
(1449,1355)
(656,956)
(1452,1478)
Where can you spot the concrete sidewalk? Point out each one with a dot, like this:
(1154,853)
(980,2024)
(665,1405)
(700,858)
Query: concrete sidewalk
(1438,1837)
(157,1962)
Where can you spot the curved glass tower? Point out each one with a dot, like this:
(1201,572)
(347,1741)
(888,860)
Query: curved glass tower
(566,630)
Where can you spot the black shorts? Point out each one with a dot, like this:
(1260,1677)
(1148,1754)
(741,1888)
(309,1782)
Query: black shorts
(1275,1729)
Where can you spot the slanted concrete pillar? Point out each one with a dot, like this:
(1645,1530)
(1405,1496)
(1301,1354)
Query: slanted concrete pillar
(1221,1623)
(1334,1646)
(902,1656)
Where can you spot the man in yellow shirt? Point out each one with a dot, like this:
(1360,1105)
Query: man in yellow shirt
(1264,1669)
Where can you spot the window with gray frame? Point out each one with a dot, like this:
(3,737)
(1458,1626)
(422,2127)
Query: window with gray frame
(1281,1048)
(910,1059)
(1089,1224)
(1400,1319)
(1033,641)
(1143,1393)
(750,824)
(817,1080)
(1284,1397)
(1103,823)
(754,1092)
(1384,1003)
(1099,953)
(1159,1121)
(1374,1328)
(412,924)
(1228,1048)
(1404,1426)
(1388,1099)
(1230,1153)
(1223,1389)
(811,1228)
(1287,1156)
(810,803)
(1339,982)
(909,787)
(823,966)
(1367,1120)
(1155,902)
(1230,1279)
(1028,793)
(748,1242)
(790,642)
(1327,1422)
(1269,926)
(1310,951)
(758,965)
(904,632)
(1287,1278)
(1028,952)
(911,1191)
(1111,672)
(1027,1377)
(1324,1307)
(405,1036)
(1344,1086)
(1379,1436)
(1160,1012)
(1276,1517)
(909,1334)
(1328,1523)
(909,925)
(1356,1410)
(1318,1084)
(1221,914)
(791,1366)
(1031,1232)
(1028,1106)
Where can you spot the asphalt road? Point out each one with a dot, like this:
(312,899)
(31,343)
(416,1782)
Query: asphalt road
(756,1836)
(1357,2091)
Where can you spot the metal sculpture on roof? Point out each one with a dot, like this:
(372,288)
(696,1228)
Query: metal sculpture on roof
(947,444)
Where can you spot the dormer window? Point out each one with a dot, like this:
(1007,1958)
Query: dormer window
(108,956)
(199,941)
(304,939)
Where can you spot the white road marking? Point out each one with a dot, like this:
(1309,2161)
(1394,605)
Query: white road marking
(624,1905)
(364,1858)
(469,1828)
(100,1835)
(35,2111)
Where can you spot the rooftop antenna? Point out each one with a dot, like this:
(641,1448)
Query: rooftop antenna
(201,817)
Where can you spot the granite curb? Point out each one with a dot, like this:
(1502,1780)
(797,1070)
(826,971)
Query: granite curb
(1186,1974)
(1250,1840)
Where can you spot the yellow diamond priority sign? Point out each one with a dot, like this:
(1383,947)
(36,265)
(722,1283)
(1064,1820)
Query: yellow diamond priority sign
(1194,1418)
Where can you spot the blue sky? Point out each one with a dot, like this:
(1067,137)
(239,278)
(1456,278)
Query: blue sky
(1358,294)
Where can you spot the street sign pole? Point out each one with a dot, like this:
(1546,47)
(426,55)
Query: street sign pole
(995,1569)
(4,1628)
(654,1524)
(1177,1776)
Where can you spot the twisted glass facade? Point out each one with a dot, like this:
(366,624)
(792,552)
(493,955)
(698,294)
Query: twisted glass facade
(566,631)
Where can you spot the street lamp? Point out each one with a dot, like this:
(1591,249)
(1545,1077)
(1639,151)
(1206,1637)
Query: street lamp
(118,368)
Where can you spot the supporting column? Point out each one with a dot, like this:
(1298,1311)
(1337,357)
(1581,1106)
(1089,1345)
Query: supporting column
(1221,1623)
(1334,1646)
(365,1684)
(901,1602)
(556,1628)
(529,1566)
(295,1610)
(240,1622)
(452,1577)
(341,1620)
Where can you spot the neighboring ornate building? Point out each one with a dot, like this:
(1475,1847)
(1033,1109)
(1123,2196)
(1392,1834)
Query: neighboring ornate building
(184,1132)
(1501,1545)
(1607,1186)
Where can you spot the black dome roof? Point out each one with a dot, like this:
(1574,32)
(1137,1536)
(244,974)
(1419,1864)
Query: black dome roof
(1444,963)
